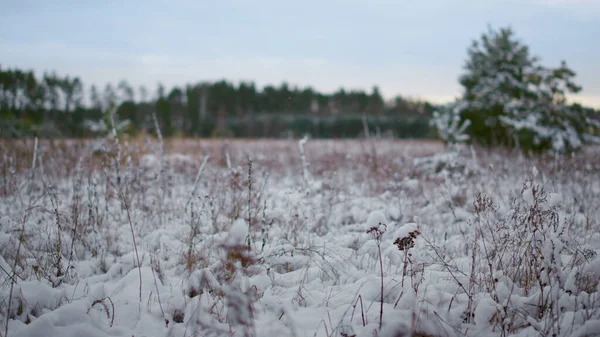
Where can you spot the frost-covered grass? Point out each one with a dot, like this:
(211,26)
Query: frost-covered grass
(281,238)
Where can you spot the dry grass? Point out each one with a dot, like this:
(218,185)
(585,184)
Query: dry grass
(74,193)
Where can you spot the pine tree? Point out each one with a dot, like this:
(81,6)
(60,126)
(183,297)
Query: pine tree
(510,99)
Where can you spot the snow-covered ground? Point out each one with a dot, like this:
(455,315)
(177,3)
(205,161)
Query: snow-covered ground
(262,240)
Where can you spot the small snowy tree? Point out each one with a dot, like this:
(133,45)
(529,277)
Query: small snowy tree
(510,99)
(449,125)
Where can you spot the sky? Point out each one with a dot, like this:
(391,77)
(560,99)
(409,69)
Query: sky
(411,48)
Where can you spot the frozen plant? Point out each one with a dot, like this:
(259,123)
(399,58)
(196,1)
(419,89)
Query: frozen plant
(239,294)
(405,240)
(305,164)
(377,226)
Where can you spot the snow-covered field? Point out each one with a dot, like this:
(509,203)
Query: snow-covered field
(288,238)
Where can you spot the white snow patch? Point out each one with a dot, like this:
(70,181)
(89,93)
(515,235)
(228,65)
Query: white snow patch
(239,230)
(375,219)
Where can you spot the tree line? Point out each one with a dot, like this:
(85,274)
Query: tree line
(52,105)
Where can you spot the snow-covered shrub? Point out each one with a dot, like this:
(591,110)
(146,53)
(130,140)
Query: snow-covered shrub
(449,125)
(458,162)
(531,278)
(228,281)
(107,123)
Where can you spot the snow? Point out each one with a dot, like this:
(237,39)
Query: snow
(590,328)
(239,230)
(375,219)
(554,199)
(528,196)
(406,230)
(593,269)
(311,269)
(485,311)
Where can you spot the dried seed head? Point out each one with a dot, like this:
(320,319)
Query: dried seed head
(407,242)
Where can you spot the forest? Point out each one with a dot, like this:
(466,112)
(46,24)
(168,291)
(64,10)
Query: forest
(53,105)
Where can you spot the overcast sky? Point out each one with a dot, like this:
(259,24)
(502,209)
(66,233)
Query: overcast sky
(407,47)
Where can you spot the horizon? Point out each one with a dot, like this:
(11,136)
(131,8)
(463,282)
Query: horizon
(412,50)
